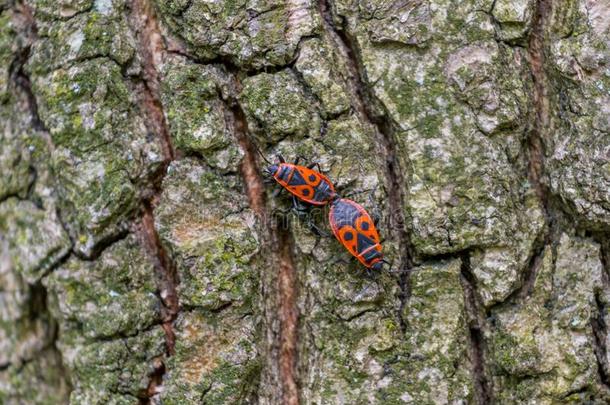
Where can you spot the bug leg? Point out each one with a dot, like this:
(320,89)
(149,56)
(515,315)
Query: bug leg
(367,288)
(284,212)
(281,158)
(372,201)
(376,218)
(303,212)
(298,207)
(341,260)
(375,212)
(317,213)
(295,204)
(317,231)
(369,274)
(400,272)
(384,261)
(276,192)
(372,195)
(298,158)
(314,164)
(356,192)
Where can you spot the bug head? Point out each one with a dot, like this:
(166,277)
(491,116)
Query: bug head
(377,266)
(270,170)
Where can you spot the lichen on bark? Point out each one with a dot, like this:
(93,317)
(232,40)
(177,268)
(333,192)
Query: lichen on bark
(143,260)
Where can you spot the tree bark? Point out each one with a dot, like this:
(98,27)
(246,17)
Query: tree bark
(144,260)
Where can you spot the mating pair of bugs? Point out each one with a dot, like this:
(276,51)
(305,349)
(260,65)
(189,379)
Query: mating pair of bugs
(349,221)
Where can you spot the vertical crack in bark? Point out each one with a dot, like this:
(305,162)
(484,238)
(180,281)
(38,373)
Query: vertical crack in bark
(155,382)
(348,51)
(250,172)
(384,129)
(536,142)
(19,82)
(278,288)
(528,277)
(22,82)
(598,322)
(600,332)
(550,238)
(18,77)
(283,306)
(151,49)
(165,273)
(542,122)
(483,392)
(531,271)
(288,319)
(39,308)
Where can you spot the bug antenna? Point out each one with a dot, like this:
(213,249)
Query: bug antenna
(261,153)
(393,271)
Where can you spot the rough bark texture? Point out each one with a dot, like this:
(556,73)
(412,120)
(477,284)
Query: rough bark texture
(143,260)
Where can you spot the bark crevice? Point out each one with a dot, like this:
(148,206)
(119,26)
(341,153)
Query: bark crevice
(483,392)
(151,48)
(536,144)
(541,125)
(282,307)
(384,129)
(598,322)
(600,333)
(165,273)
(102,245)
(17,76)
(19,83)
(548,238)
(155,381)
(279,282)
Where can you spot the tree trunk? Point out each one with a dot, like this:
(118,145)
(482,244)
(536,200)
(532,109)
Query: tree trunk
(143,259)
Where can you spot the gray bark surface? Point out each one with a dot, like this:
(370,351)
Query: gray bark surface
(144,261)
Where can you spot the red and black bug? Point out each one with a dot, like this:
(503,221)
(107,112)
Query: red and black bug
(350,222)
(303,182)
(356,230)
